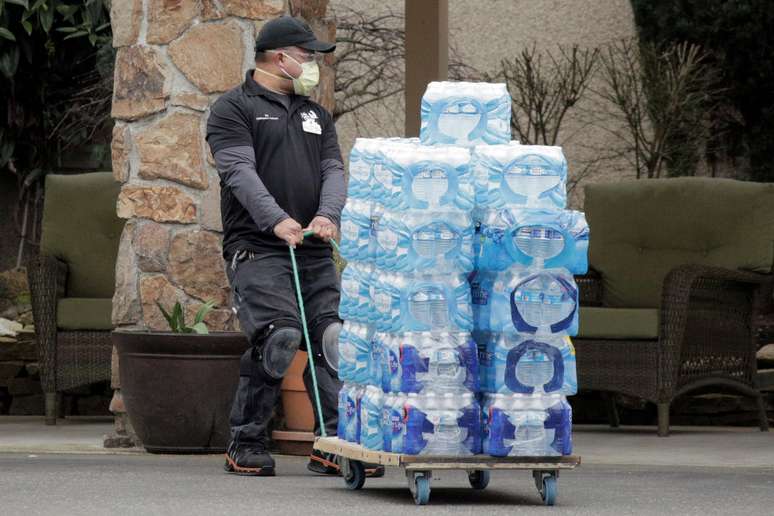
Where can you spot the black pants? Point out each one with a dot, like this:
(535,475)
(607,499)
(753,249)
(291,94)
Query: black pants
(264,297)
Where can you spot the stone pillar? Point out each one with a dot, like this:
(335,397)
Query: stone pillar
(174,58)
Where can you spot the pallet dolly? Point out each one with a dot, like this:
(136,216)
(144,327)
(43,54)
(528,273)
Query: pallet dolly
(419,468)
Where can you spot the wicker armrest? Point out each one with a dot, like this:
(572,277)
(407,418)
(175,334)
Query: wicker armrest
(702,284)
(47,277)
(590,288)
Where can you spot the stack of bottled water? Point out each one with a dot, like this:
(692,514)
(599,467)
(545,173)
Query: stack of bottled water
(525,301)
(407,356)
(423,224)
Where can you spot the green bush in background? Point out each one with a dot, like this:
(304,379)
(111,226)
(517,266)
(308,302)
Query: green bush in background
(738,37)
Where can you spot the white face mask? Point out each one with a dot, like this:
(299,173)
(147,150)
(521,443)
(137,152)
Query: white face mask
(306,82)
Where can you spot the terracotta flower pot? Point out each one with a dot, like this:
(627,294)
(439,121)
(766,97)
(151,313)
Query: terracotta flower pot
(178,388)
(298,437)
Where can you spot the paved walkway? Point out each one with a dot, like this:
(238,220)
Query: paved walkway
(171,485)
(687,446)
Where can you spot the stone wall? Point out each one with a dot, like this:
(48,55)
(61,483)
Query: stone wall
(174,58)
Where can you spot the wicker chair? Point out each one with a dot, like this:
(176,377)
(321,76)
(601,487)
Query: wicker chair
(699,333)
(72,283)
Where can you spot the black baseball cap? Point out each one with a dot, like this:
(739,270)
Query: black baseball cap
(287,31)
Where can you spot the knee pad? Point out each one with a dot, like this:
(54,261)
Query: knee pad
(279,348)
(330,346)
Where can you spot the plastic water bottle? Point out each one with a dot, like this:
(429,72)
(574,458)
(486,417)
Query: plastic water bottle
(442,424)
(525,301)
(375,361)
(417,241)
(539,238)
(356,230)
(393,422)
(443,362)
(384,184)
(391,362)
(420,302)
(558,425)
(515,426)
(371,405)
(545,301)
(355,299)
(528,176)
(385,299)
(429,177)
(355,352)
(349,413)
(485,344)
(361,163)
(465,113)
(434,302)
(342,421)
(530,364)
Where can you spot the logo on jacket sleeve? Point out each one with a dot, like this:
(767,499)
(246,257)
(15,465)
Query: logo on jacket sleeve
(309,122)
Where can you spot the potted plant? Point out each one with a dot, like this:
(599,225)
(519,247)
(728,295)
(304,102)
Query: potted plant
(178,385)
(296,436)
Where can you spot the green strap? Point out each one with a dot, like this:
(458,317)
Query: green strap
(310,352)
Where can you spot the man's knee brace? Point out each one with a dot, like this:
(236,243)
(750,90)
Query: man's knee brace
(278,351)
(330,346)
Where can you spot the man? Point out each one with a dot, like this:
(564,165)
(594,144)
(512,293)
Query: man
(281,174)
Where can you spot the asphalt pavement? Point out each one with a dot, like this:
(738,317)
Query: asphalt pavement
(81,484)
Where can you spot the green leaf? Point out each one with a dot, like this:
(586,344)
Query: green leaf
(203,311)
(93,39)
(46,18)
(66,29)
(38,4)
(9,62)
(27,27)
(7,34)
(166,316)
(178,315)
(102,27)
(78,34)
(200,328)
(23,3)
(67,11)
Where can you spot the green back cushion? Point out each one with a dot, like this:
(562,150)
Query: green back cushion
(80,227)
(78,313)
(640,230)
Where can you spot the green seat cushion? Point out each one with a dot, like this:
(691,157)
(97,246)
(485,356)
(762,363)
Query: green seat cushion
(640,230)
(83,313)
(618,323)
(80,227)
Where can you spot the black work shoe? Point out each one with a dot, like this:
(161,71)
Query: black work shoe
(328,464)
(251,460)
(323,463)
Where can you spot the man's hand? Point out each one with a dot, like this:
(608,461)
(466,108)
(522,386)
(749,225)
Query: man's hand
(323,228)
(290,231)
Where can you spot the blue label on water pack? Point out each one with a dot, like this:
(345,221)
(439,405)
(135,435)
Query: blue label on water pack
(525,301)
(526,364)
